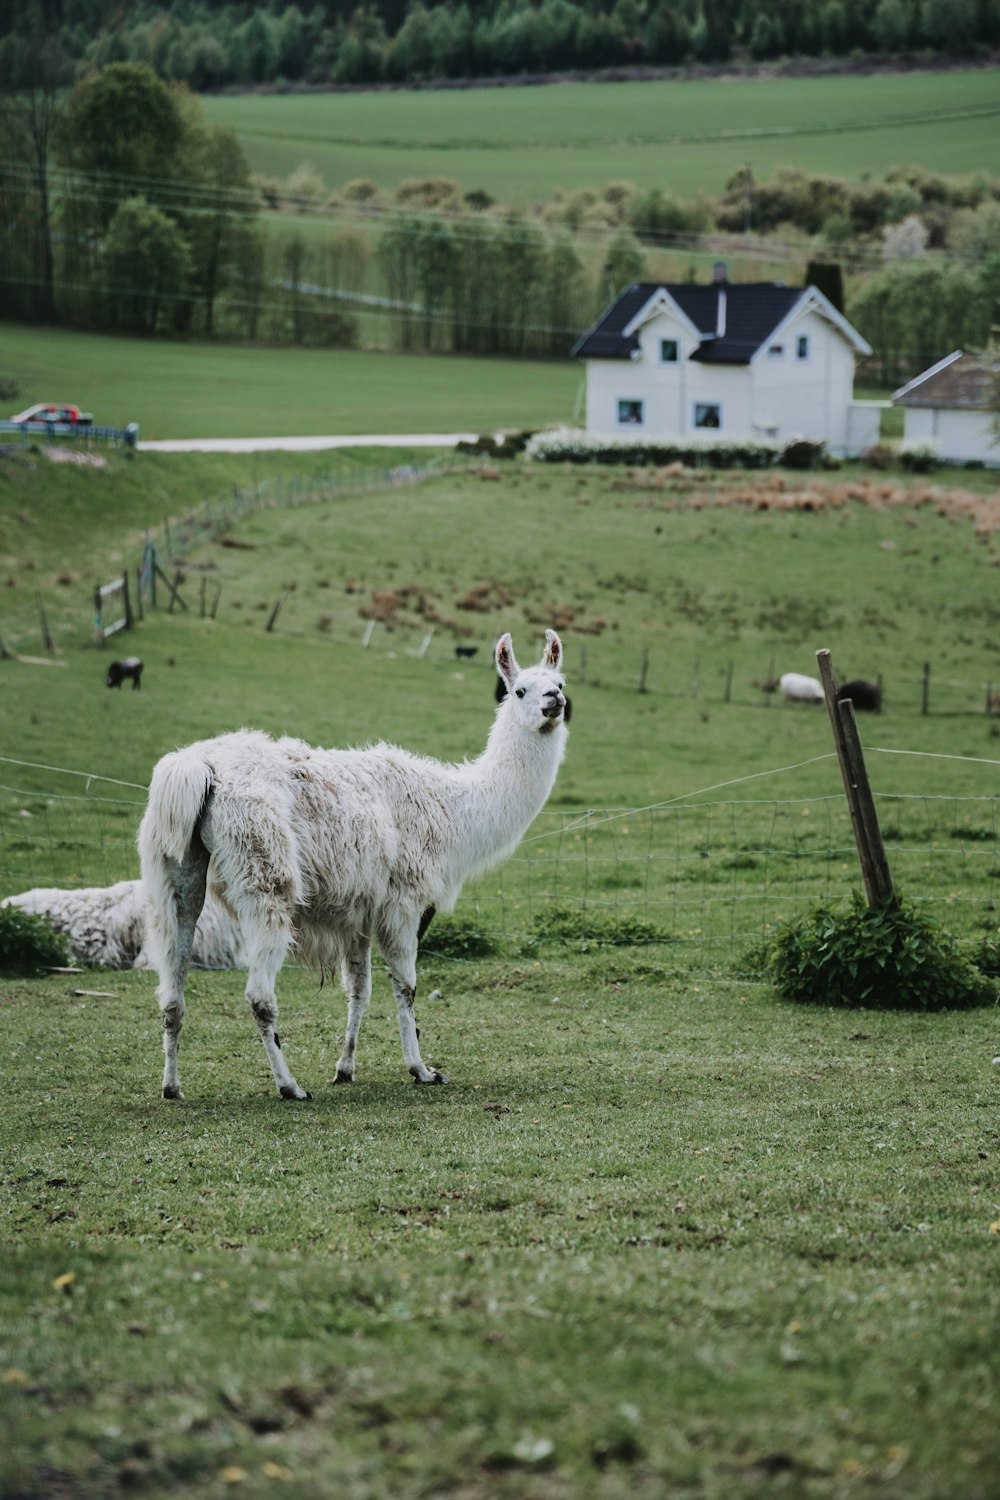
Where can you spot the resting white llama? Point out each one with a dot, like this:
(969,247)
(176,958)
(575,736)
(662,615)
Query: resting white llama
(335,850)
(106,925)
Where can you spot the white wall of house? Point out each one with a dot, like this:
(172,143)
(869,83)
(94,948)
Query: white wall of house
(963,436)
(801,388)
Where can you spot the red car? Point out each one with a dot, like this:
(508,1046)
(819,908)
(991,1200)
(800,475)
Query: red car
(52,411)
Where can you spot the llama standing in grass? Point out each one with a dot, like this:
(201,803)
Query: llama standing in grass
(337,849)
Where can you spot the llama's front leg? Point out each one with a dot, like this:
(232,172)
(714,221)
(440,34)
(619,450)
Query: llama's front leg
(264,965)
(402,961)
(356,974)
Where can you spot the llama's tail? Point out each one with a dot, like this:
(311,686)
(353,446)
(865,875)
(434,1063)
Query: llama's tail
(169,847)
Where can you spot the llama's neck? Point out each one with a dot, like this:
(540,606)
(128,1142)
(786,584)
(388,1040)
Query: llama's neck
(505,788)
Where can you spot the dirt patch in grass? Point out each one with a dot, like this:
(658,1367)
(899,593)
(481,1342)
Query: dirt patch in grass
(674,487)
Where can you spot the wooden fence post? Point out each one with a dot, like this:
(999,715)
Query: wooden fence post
(643,669)
(925,688)
(47,640)
(728,690)
(864,819)
(274,613)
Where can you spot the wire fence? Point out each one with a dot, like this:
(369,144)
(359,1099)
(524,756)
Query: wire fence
(59,622)
(702,878)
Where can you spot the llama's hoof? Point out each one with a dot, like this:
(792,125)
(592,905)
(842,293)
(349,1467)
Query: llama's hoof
(435,1077)
(292,1091)
(341,1077)
(172,1091)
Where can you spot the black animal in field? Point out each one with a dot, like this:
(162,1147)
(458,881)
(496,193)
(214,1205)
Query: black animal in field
(866,696)
(129,666)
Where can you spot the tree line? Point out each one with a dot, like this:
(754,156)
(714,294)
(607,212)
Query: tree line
(215,45)
(123,209)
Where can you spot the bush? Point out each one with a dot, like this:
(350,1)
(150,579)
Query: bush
(573,445)
(29,944)
(803,453)
(920,455)
(891,959)
(584,930)
(987,957)
(457,937)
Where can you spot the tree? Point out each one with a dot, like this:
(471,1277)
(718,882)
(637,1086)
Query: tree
(891,25)
(34,70)
(625,263)
(146,265)
(828,278)
(221,213)
(123,129)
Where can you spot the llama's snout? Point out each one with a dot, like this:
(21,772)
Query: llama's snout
(553,703)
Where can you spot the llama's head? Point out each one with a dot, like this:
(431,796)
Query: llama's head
(536,695)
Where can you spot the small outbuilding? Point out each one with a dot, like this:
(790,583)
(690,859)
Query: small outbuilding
(733,359)
(953,405)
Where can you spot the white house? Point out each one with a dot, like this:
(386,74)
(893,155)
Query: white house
(751,359)
(950,404)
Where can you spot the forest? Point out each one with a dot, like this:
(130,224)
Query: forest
(215,46)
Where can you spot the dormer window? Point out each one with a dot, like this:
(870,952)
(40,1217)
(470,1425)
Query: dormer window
(802,346)
(669,352)
(776,351)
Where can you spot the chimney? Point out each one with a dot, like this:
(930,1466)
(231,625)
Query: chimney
(720,311)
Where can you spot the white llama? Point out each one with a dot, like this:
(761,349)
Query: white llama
(335,850)
(106,925)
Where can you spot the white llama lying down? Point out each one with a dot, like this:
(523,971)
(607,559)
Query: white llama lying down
(337,849)
(106,925)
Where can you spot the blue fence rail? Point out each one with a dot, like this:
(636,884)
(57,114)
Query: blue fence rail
(81,433)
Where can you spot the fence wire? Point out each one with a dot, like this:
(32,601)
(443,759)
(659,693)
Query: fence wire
(705,880)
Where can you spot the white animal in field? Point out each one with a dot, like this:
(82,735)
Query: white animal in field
(106,926)
(796,688)
(335,850)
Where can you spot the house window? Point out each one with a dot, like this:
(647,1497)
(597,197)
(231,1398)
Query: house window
(776,351)
(669,352)
(630,413)
(707,414)
(802,346)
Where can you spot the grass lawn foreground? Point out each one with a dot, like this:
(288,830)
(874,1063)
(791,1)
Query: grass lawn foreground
(661,1234)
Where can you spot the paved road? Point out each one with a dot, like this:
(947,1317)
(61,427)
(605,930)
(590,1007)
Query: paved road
(307,444)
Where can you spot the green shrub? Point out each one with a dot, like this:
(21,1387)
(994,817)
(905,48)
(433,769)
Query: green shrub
(29,943)
(458,937)
(987,957)
(891,959)
(587,929)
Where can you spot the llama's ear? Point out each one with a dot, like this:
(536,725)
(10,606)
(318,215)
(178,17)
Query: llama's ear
(506,661)
(552,655)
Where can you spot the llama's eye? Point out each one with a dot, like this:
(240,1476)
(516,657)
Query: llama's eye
(519,692)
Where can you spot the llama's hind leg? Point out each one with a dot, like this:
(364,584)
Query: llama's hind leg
(356,974)
(187,880)
(266,956)
(401,956)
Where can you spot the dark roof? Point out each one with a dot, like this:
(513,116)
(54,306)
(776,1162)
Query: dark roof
(753,311)
(963,380)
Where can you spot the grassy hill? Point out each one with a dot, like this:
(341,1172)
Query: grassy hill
(686,136)
(215,390)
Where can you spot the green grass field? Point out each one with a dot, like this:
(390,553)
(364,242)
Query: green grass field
(212,390)
(521,144)
(661,1235)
